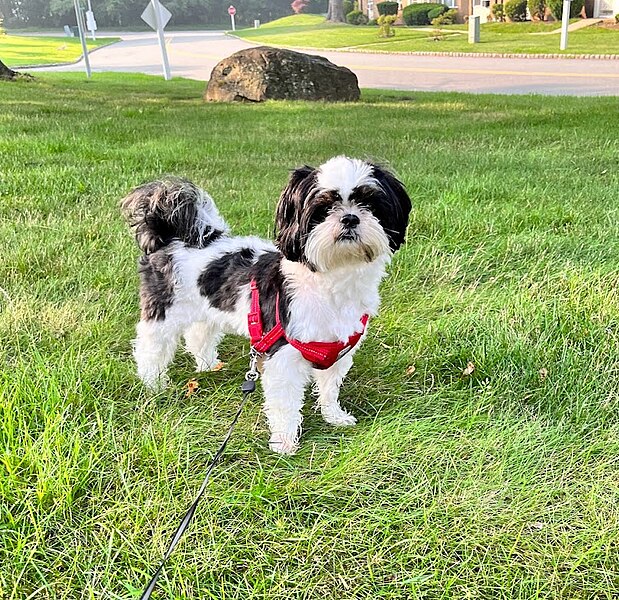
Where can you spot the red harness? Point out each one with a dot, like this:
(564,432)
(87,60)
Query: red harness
(322,354)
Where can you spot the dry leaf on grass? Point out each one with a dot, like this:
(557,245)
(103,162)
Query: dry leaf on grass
(192,387)
(543,373)
(411,370)
(219,366)
(470,367)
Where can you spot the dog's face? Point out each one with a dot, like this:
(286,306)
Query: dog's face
(344,213)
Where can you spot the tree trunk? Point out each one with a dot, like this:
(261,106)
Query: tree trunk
(335,13)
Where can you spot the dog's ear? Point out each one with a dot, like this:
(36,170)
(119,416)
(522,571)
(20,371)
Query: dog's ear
(289,210)
(400,206)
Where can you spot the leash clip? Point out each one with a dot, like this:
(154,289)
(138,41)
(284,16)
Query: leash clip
(253,374)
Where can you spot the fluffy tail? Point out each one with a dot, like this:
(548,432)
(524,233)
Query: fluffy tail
(172,209)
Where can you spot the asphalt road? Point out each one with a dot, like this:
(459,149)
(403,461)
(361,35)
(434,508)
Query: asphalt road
(194,54)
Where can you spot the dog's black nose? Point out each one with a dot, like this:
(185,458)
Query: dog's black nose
(349,220)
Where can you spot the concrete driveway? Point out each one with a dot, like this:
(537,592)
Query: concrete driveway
(194,54)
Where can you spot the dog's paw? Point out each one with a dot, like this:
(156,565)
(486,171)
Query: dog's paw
(338,417)
(283,444)
(156,382)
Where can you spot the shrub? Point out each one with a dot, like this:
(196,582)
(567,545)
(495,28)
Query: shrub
(516,10)
(617,18)
(385,23)
(449,17)
(349,6)
(356,17)
(373,22)
(537,8)
(417,14)
(437,11)
(556,8)
(298,6)
(387,8)
(498,12)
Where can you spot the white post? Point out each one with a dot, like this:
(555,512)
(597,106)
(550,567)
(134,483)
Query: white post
(161,38)
(474,29)
(565,23)
(232,21)
(80,28)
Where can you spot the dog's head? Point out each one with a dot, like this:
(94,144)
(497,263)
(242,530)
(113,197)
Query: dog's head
(343,213)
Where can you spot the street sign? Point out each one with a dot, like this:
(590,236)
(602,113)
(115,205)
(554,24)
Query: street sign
(149,16)
(157,16)
(231,10)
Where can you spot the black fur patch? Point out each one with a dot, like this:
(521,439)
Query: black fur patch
(157,284)
(221,280)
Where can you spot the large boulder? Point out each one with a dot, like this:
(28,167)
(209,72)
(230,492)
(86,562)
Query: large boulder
(266,73)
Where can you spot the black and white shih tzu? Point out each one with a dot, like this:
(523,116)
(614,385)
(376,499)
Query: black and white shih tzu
(337,227)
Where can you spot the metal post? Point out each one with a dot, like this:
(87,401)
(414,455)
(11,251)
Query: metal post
(232,21)
(80,27)
(161,38)
(565,23)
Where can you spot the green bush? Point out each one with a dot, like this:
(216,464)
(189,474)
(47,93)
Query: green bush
(385,22)
(617,18)
(556,8)
(387,8)
(516,10)
(449,17)
(349,6)
(498,12)
(537,8)
(356,17)
(417,14)
(437,11)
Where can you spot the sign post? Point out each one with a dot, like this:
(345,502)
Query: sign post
(474,29)
(232,12)
(80,27)
(91,24)
(157,16)
(565,23)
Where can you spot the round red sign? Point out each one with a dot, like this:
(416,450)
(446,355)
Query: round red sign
(231,10)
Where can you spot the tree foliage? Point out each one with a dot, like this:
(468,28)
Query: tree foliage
(126,13)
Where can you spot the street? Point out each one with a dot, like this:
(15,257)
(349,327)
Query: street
(194,54)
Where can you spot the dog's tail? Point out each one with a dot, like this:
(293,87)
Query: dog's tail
(172,209)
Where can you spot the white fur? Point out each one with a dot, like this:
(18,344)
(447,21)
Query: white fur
(344,175)
(325,303)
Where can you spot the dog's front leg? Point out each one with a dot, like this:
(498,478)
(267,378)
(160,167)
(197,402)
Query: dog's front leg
(328,383)
(285,375)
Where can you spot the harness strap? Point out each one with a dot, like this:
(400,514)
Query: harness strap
(321,354)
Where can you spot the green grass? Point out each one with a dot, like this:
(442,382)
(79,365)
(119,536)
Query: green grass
(503,484)
(18,51)
(311,31)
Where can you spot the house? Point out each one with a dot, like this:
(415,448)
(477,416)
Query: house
(605,9)
(464,7)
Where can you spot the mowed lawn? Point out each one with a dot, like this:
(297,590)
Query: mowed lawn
(484,463)
(313,31)
(27,50)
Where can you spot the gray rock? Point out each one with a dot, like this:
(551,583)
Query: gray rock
(266,73)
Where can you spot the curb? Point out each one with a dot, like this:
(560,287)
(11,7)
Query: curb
(455,54)
(64,64)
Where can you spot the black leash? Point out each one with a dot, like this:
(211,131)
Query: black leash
(249,385)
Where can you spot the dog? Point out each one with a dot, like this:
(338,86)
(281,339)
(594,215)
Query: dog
(304,301)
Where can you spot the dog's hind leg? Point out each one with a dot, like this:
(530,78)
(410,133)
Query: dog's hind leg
(202,339)
(328,383)
(153,350)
